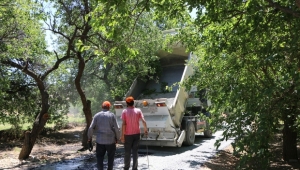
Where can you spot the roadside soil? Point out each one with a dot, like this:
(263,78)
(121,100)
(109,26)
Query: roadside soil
(50,147)
(64,145)
(225,160)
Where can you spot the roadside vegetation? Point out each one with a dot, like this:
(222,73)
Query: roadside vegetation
(10,132)
(55,54)
(71,119)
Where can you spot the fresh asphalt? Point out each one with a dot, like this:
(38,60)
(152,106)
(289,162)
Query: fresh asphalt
(154,157)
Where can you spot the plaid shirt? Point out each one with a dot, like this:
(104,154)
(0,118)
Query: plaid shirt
(106,127)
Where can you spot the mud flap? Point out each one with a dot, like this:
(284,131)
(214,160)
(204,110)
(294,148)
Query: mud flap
(181,138)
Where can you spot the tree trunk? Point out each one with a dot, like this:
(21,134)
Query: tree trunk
(88,117)
(39,124)
(289,139)
(85,103)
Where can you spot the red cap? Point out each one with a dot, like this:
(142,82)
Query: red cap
(129,99)
(106,104)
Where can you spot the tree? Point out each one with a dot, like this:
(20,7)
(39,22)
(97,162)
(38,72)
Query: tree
(23,51)
(17,88)
(259,56)
(249,62)
(112,58)
(132,42)
(70,22)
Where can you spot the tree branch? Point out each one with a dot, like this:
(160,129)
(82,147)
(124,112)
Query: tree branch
(55,66)
(283,9)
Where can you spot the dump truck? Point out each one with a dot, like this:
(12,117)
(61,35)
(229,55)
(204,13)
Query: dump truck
(172,114)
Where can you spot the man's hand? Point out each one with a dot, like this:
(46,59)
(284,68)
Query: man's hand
(122,139)
(146,133)
(90,145)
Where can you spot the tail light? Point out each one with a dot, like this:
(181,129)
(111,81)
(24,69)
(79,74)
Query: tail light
(118,106)
(145,103)
(161,104)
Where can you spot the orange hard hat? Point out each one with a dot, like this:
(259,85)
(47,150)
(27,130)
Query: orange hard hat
(106,104)
(129,99)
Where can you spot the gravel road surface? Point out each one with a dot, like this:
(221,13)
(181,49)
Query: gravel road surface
(156,158)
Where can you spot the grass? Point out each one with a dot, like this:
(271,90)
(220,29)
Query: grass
(76,119)
(71,119)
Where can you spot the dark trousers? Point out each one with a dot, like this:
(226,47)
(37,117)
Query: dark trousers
(100,152)
(131,145)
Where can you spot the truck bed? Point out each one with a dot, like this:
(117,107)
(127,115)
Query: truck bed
(170,75)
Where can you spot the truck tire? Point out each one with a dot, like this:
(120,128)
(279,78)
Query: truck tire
(190,134)
(207,132)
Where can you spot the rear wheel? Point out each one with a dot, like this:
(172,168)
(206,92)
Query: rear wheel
(207,132)
(190,134)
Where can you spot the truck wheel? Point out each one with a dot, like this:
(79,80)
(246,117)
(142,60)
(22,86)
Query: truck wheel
(190,134)
(207,132)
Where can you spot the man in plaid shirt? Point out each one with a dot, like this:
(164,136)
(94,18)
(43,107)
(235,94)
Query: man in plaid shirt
(106,127)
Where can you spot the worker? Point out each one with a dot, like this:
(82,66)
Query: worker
(131,132)
(107,131)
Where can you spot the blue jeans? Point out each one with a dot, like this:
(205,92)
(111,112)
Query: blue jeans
(101,149)
(131,145)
